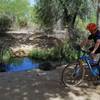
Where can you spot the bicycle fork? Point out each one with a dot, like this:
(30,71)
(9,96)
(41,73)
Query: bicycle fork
(95,71)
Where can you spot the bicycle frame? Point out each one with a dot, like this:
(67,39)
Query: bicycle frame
(89,61)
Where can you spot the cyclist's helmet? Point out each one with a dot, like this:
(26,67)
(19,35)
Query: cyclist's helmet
(91,27)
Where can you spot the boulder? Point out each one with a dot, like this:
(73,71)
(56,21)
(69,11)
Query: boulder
(46,66)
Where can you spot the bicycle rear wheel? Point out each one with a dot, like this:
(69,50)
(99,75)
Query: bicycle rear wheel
(72,75)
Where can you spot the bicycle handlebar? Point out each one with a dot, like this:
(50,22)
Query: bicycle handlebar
(78,48)
(84,51)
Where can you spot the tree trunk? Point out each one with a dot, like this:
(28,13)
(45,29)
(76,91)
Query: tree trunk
(73,20)
(98,15)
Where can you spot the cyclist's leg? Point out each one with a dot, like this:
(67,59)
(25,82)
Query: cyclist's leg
(96,57)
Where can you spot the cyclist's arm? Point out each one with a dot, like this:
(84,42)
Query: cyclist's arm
(97,44)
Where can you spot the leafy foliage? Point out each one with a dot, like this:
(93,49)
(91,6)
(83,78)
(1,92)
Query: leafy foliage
(49,54)
(5,22)
(18,9)
(50,11)
(70,53)
(65,53)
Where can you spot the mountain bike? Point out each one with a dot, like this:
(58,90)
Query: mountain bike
(84,68)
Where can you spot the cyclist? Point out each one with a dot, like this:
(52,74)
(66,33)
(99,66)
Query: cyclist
(95,36)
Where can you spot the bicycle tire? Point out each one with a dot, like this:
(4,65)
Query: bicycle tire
(67,74)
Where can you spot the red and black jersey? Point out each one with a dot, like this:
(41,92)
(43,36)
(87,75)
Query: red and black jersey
(95,36)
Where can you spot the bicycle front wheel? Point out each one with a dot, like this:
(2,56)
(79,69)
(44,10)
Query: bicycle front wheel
(72,75)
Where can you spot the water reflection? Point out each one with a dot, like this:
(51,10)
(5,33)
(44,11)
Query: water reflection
(19,64)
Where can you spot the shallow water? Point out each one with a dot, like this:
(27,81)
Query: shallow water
(20,64)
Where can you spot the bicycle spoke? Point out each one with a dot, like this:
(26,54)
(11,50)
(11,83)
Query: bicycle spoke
(72,75)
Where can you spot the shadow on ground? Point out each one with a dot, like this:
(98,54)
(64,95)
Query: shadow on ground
(31,85)
(41,85)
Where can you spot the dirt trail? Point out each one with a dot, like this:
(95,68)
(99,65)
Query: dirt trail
(28,40)
(42,85)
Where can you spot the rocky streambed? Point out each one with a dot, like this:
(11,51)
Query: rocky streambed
(22,43)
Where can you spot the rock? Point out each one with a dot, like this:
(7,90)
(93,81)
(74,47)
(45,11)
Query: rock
(22,50)
(19,53)
(31,38)
(46,66)
(2,67)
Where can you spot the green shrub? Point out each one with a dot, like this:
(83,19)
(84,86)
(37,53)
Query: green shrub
(65,52)
(49,54)
(70,53)
(5,55)
(5,22)
(38,54)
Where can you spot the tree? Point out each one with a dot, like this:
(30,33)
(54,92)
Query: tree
(50,11)
(19,9)
(98,14)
